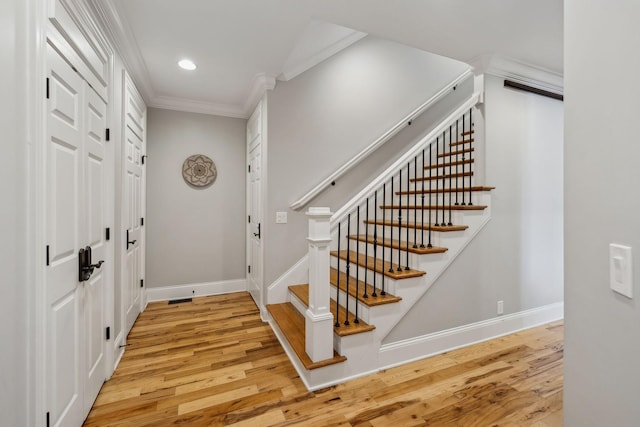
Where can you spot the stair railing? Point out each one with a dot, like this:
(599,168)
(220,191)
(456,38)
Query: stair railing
(434,160)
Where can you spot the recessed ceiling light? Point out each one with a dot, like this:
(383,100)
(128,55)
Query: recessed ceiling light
(187,64)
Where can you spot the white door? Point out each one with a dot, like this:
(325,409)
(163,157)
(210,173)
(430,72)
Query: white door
(74,219)
(134,138)
(254,206)
(94,206)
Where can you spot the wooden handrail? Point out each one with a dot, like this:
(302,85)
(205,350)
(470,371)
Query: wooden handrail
(326,182)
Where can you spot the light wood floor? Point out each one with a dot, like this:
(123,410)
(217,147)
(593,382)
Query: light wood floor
(213,362)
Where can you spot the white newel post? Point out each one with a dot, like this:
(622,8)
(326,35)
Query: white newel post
(319,320)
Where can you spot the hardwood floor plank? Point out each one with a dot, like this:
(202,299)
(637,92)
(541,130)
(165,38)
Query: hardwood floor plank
(213,362)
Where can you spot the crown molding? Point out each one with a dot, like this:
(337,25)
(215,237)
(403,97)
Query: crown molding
(519,71)
(121,36)
(261,83)
(299,68)
(201,107)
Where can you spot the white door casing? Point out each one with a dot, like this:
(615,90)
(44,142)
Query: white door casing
(255,182)
(134,139)
(75,218)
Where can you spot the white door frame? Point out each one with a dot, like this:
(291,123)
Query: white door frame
(261,108)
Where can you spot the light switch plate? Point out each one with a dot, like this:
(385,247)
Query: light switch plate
(281,217)
(620,272)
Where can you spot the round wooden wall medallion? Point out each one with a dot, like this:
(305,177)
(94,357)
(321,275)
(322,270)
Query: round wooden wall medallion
(199,170)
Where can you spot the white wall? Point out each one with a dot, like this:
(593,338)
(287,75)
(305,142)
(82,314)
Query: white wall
(325,116)
(602,202)
(194,235)
(517,257)
(14,330)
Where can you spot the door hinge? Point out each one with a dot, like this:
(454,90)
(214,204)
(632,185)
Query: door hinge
(107,234)
(249,269)
(249,220)
(107,134)
(47,88)
(47,255)
(48,419)
(141,222)
(249,168)
(108,333)
(141,283)
(142,158)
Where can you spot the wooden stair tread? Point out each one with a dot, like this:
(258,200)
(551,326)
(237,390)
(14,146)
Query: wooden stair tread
(424,226)
(451,175)
(302,292)
(403,245)
(469,132)
(455,153)
(446,190)
(378,266)
(448,164)
(464,141)
(438,207)
(292,325)
(372,301)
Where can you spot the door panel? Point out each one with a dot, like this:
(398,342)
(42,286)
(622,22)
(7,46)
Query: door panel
(254,206)
(63,295)
(94,210)
(134,122)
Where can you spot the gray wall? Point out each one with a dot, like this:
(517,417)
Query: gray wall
(602,328)
(13,212)
(517,257)
(194,235)
(325,116)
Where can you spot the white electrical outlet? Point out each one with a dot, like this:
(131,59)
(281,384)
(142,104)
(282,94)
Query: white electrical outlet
(500,307)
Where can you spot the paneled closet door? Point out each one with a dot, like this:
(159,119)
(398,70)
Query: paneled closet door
(75,198)
(132,201)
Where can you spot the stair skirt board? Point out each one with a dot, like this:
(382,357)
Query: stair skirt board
(406,351)
(165,293)
(399,353)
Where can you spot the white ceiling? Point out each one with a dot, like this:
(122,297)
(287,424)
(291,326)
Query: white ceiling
(242,46)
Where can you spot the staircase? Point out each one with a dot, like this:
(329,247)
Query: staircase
(386,248)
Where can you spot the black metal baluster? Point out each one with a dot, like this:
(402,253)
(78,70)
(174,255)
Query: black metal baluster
(415,202)
(399,218)
(470,152)
(450,174)
(384,215)
(346,322)
(358,258)
(463,158)
(406,266)
(450,168)
(444,179)
(422,205)
(375,242)
(430,198)
(391,231)
(367,234)
(337,324)
(430,177)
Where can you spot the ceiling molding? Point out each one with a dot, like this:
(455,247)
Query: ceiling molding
(261,83)
(201,107)
(290,72)
(519,71)
(119,33)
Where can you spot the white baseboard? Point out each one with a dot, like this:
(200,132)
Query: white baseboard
(166,293)
(417,348)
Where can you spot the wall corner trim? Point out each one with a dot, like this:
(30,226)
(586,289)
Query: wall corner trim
(417,348)
(165,293)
